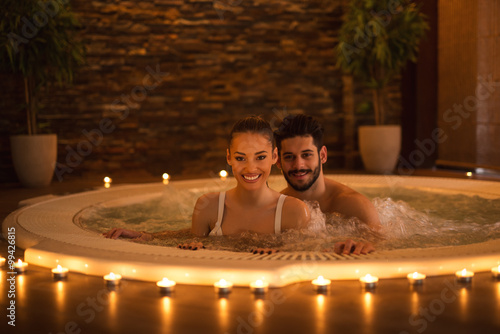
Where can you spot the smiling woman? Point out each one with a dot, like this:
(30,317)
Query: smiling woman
(251,206)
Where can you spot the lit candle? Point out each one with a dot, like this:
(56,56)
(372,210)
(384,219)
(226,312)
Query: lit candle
(368,281)
(416,278)
(469,174)
(59,272)
(2,261)
(166,178)
(223,287)
(321,284)
(223,175)
(112,279)
(166,285)
(464,276)
(20,267)
(259,287)
(107,182)
(495,271)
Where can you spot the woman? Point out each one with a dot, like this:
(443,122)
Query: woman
(251,205)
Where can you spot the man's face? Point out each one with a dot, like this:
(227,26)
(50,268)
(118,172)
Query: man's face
(300,162)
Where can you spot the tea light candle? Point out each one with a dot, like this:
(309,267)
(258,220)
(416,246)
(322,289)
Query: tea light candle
(321,284)
(166,285)
(20,267)
(368,281)
(259,287)
(495,271)
(223,175)
(107,182)
(59,272)
(166,178)
(223,287)
(416,278)
(464,276)
(112,279)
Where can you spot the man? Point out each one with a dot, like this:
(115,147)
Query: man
(301,154)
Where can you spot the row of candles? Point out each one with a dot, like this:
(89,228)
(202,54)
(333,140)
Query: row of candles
(165,178)
(222,286)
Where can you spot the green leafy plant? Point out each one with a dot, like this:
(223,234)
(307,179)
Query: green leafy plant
(38,41)
(377,39)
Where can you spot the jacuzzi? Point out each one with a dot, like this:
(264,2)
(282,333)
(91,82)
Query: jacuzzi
(46,229)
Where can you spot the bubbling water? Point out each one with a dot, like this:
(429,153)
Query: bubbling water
(409,217)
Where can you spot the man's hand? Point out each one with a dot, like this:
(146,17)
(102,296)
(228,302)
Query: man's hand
(115,233)
(352,247)
(191,246)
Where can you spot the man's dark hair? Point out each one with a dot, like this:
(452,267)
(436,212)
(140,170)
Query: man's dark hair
(299,125)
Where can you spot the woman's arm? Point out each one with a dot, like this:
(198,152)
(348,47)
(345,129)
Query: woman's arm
(295,214)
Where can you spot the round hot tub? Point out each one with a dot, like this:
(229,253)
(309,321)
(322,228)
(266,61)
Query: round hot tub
(48,231)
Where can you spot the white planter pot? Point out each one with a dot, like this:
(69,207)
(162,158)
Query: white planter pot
(379,147)
(34,158)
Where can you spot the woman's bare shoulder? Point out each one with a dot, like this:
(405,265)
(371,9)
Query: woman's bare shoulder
(295,213)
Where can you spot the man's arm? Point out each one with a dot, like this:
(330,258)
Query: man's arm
(353,204)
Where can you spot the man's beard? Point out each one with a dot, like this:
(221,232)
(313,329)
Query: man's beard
(309,184)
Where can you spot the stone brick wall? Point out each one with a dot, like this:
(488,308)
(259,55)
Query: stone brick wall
(166,79)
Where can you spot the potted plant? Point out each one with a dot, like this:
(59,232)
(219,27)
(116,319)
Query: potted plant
(376,40)
(38,42)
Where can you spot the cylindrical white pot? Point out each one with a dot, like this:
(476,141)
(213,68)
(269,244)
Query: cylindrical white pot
(380,147)
(34,158)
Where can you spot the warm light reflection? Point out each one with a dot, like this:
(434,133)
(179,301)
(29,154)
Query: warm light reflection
(414,303)
(20,290)
(60,296)
(260,310)
(464,299)
(368,307)
(112,305)
(166,304)
(320,314)
(223,314)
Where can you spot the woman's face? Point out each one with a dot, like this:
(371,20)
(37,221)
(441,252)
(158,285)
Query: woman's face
(251,157)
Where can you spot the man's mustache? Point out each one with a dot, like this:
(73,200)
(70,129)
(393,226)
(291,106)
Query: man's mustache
(299,171)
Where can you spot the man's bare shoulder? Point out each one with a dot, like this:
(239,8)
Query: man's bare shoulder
(339,196)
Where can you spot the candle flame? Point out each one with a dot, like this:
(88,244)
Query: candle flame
(464,272)
(112,275)
(259,282)
(223,173)
(20,262)
(107,179)
(59,268)
(165,176)
(415,275)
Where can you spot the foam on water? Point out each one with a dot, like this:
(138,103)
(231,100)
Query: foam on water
(409,218)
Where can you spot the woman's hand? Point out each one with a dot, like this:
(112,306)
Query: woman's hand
(115,233)
(191,245)
(352,247)
(264,251)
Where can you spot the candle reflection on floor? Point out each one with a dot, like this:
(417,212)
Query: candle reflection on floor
(223,313)
(368,309)
(166,303)
(321,313)
(464,298)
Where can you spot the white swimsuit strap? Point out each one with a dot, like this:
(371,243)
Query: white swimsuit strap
(277,216)
(217,228)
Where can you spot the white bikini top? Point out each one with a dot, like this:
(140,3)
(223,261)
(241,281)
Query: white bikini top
(218,225)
